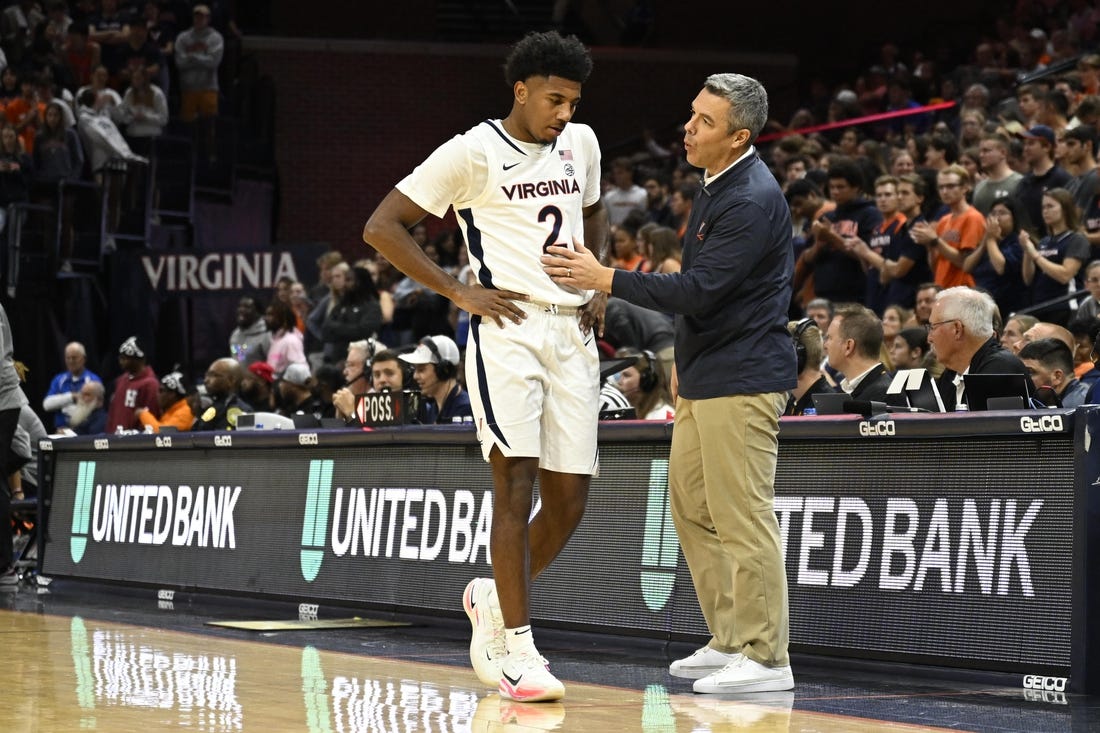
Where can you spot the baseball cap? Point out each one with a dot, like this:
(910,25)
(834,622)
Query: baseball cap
(262,370)
(1039,132)
(445,350)
(204,9)
(297,373)
(131,347)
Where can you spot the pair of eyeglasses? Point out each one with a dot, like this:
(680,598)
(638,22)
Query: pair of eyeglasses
(933,325)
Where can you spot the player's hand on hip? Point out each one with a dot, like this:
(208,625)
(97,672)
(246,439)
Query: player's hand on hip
(576,268)
(495,304)
(592,314)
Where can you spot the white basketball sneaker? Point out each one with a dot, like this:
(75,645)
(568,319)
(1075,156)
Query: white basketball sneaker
(487,649)
(525,677)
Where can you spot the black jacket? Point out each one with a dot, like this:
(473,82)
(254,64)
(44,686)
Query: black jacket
(991,358)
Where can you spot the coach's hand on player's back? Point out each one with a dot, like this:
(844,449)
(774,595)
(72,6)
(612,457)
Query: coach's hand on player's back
(578,268)
(495,304)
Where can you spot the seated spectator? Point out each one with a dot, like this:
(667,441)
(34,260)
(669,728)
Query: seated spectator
(644,386)
(961,334)
(664,251)
(136,387)
(63,393)
(1014,329)
(630,326)
(853,344)
(174,406)
(925,299)
(357,375)
(1045,330)
(1052,266)
(679,204)
(624,196)
(1081,326)
(223,383)
(297,396)
(102,140)
(624,244)
(436,359)
(23,457)
(821,310)
(356,316)
(894,319)
(1050,364)
(258,386)
(910,350)
(251,339)
(1090,304)
(9,85)
(286,339)
(88,416)
(144,109)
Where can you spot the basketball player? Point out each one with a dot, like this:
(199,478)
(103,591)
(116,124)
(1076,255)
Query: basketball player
(519,185)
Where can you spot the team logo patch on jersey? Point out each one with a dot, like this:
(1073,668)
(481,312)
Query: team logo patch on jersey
(569,169)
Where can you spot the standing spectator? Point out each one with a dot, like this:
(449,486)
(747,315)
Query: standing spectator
(926,297)
(58,159)
(358,315)
(174,405)
(17,26)
(1080,162)
(657,199)
(139,52)
(734,368)
(106,99)
(953,243)
(1043,174)
(998,272)
(837,273)
(110,28)
(64,389)
(16,171)
(80,54)
(135,388)
(12,400)
(25,111)
(1000,180)
(1051,268)
(251,339)
(625,195)
(873,252)
(143,112)
(325,263)
(198,55)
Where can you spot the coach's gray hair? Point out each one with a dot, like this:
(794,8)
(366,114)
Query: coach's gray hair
(748,101)
(973,308)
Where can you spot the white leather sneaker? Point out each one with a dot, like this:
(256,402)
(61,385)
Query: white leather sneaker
(702,662)
(745,675)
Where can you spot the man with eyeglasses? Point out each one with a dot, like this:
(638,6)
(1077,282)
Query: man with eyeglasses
(960,331)
(952,243)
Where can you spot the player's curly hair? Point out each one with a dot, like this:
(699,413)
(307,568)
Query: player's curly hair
(548,54)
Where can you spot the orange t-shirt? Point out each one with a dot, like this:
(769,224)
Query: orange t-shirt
(964,232)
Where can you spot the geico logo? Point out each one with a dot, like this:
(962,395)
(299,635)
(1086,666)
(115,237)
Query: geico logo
(308,611)
(223,441)
(166,595)
(164,441)
(868,429)
(45,445)
(1044,424)
(1038,682)
(102,444)
(307,439)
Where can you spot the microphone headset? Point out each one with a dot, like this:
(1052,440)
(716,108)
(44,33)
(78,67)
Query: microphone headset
(799,347)
(647,377)
(444,369)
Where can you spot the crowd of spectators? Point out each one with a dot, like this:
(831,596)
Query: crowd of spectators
(945,239)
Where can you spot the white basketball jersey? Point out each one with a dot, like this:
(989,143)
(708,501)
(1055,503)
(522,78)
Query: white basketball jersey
(512,200)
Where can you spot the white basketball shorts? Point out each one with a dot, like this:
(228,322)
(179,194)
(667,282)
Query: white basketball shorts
(534,388)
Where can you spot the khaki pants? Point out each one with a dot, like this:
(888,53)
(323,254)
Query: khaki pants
(722,484)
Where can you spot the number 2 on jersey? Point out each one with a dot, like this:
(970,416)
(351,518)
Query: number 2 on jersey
(551,212)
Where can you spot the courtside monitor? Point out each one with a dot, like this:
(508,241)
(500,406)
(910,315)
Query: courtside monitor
(981,388)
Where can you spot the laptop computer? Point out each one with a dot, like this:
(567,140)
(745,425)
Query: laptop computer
(981,388)
(831,403)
